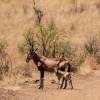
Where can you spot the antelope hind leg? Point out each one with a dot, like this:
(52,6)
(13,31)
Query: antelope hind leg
(71,84)
(65,84)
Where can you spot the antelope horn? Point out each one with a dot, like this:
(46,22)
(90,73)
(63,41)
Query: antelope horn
(31,47)
(36,49)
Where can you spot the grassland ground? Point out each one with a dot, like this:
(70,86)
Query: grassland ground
(85,88)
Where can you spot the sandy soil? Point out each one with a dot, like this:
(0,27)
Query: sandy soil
(85,88)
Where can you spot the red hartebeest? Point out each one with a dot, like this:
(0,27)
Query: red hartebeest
(47,64)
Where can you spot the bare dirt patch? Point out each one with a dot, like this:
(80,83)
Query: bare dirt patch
(85,88)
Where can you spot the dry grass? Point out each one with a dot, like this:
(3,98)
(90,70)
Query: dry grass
(79,18)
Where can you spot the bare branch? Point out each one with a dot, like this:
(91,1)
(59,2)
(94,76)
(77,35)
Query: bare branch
(34,2)
(38,13)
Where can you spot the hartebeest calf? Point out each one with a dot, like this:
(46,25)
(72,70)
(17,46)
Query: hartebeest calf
(62,74)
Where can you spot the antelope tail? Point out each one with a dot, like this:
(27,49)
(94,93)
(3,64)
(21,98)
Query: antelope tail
(69,67)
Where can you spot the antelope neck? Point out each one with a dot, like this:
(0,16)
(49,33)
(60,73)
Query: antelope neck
(36,58)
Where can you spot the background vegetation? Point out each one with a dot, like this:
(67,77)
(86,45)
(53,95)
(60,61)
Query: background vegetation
(69,28)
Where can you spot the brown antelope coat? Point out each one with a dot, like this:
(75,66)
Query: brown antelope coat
(47,64)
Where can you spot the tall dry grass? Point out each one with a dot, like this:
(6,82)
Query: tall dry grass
(78,18)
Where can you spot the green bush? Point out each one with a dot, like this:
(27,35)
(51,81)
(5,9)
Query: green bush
(48,40)
(28,38)
(3,44)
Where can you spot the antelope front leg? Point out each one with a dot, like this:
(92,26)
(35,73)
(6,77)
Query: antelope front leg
(58,83)
(41,78)
(62,83)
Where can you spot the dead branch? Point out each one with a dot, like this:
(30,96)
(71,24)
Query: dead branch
(38,12)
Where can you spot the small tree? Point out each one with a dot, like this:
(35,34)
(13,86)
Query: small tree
(48,39)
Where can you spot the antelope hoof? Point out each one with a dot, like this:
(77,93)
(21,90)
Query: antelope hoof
(72,88)
(64,88)
(41,87)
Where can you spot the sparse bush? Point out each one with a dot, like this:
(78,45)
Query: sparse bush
(70,52)
(25,46)
(3,44)
(5,61)
(23,71)
(92,47)
(27,71)
(48,40)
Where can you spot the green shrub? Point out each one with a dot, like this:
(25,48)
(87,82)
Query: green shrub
(3,44)
(28,38)
(47,40)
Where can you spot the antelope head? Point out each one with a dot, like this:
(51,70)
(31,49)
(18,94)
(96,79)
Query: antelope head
(30,55)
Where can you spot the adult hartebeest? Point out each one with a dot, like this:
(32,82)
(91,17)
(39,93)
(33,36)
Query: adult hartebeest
(47,64)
